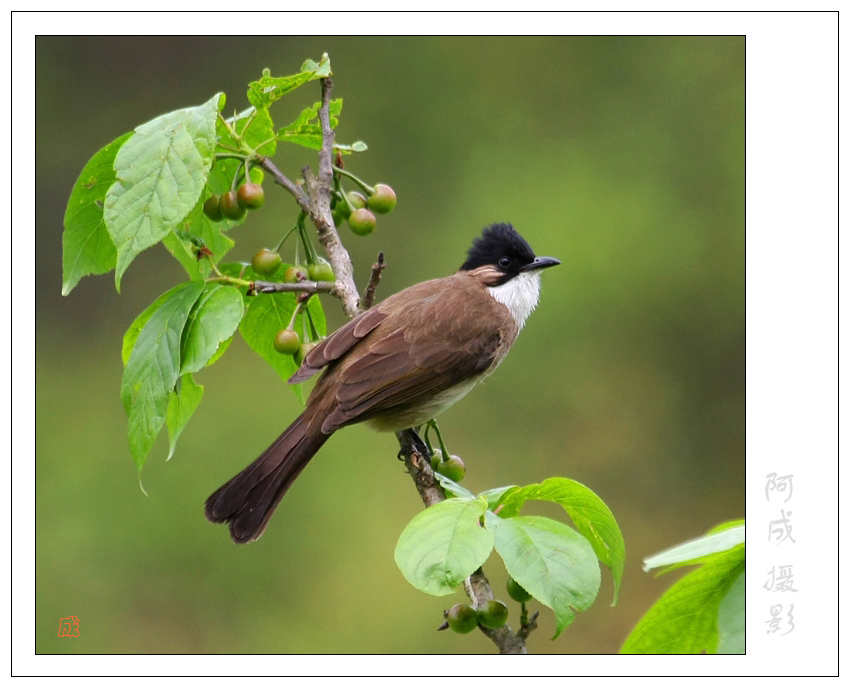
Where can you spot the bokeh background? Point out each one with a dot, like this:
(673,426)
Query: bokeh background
(623,157)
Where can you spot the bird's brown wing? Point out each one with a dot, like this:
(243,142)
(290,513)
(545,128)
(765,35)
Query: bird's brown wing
(337,344)
(431,339)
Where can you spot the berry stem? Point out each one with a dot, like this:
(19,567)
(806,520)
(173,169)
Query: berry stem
(353,177)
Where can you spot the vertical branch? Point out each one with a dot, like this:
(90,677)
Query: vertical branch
(319,191)
(316,203)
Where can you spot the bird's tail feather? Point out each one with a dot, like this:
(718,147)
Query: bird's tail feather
(248,500)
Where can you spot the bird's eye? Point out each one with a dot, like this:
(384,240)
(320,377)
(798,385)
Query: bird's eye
(504,262)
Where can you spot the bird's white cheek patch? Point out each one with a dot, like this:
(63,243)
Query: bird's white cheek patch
(520,295)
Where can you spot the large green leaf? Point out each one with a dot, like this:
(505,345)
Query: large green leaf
(182,403)
(161,171)
(443,545)
(87,248)
(685,619)
(550,560)
(267,89)
(132,333)
(213,320)
(591,516)
(153,367)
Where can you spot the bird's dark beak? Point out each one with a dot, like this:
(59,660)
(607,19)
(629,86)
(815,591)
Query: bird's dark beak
(539,263)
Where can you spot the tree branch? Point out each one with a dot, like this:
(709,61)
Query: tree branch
(369,294)
(315,202)
(307,286)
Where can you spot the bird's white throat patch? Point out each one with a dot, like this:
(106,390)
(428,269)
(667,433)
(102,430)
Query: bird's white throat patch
(520,295)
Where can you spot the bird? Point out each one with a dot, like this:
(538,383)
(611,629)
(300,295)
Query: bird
(395,366)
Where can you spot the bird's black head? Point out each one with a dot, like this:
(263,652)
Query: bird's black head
(501,247)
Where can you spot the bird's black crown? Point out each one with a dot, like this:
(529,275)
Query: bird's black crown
(499,245)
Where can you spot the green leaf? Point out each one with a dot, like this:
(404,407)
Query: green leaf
(720,527)
(693,551)
(267,89)
(589,513)
(267,314)
(493,496)
(132,333)
(182,403)
(219,352)
(153,367)
(306,129)
(685,619)
(87,248)
(452,487)
(443,545)
(198,230)
(550,560)
(731,619)
(214,318)
(161,171)
(254,129)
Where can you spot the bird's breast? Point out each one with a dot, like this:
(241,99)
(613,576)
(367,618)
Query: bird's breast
(414,415)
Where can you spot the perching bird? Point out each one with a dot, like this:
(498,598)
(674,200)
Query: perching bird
(396,366)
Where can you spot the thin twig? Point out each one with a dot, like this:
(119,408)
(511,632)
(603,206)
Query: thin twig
(279,177)
(305,286)
(369,295)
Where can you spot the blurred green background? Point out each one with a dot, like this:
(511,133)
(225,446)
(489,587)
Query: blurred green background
(623,157)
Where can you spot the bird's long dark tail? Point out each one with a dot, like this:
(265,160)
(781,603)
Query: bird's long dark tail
(248,500)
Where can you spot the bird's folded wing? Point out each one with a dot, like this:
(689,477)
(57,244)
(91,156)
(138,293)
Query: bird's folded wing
(337,344)
(404,367)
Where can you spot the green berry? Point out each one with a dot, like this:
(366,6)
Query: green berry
(295,273)
(265,262)
(517,592)
(453,468)
(436,458)
(212,209)
(302,352)
(462,618)
(251,196)
(362,222)
(287,342)
(230,207)
(494,615)
(383,200)
(356,199)
(321,271)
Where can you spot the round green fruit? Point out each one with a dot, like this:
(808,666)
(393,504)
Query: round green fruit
(251,196)
(230,207)
(287,342)
(356,199)
(321,271)
(303,350)
(517,592)
(494,615)
(212,209)
(295,273)
(383,200)
(462,618)
(265,262)
(436,458)
(453,468)
(362,222)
